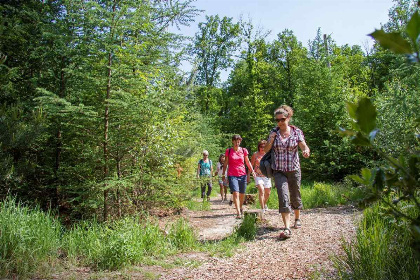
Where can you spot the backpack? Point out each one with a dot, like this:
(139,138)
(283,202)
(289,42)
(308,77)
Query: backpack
(265,162)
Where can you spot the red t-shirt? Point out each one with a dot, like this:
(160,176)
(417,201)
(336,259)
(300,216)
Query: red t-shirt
(236,161)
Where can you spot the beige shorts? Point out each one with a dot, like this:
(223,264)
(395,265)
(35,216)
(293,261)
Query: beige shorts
(264,181)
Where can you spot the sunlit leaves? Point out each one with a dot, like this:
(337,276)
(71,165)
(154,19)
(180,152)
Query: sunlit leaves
(413,27)
(392,41)
(366,115)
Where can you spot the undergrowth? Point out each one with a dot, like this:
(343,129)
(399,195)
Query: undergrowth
(319,194)
(31,239)
(381,250)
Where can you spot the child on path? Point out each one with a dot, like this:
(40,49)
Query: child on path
(222,183)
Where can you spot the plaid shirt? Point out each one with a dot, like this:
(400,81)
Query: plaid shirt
(286,157)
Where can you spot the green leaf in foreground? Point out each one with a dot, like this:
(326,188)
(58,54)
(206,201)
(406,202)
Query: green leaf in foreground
(392,41)
(366,115)
(413,27)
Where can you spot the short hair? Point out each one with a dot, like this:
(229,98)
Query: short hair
(236,137)
(260,143)
(284,110)
(205,152)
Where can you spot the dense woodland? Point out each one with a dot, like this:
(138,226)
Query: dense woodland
(98,123)
(96,116)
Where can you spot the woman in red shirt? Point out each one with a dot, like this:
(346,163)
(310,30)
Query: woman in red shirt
(236,158)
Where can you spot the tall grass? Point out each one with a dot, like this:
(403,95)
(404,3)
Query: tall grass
(29,239)
(381,251)
(319,194)
(125,242)
(248,228)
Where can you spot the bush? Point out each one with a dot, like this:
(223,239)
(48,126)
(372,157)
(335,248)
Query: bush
(125,242)
(248,228)
(381,251)
(318,194)
(29,239)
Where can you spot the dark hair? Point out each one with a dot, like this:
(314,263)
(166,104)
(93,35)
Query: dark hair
(284,110)
(220,157)
(236,137)
(262,142)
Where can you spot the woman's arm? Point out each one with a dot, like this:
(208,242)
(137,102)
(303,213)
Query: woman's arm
(305,149)
(249,166)
(252,162)
(270,142)
(225,164)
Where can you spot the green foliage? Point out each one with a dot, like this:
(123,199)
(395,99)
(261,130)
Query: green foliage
(381,250)
(322,194)
(397,183)
(29,239)
(325,195)
(248,228)
(125,242)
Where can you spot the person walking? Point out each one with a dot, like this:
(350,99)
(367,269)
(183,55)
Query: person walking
(222,182)
(236,159)
(262,183)
(204,172)
(285,140)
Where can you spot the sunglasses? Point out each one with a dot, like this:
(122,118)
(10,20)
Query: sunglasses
(280,120)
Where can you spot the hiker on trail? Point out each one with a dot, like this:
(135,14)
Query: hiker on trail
(262,183)
(204,172)
(236,158)
(222,182)
(285,139)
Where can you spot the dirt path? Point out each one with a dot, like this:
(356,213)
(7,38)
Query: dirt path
(309,249)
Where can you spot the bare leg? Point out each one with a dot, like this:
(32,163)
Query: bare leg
(225,193)
(286,219)
(236,200)
(267,192)
(261,195)
(297,214)
(241,199)
(221,190)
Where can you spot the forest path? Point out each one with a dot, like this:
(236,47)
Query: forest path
(308,250)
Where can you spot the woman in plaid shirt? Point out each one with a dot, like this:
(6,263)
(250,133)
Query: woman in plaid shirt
(285,139)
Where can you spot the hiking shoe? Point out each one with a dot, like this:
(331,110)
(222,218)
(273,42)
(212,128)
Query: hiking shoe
(266,207)
(285,234)
(298,224)
(230,203)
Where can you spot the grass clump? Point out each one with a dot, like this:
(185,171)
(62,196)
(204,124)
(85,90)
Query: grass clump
(194,205)
(125,242)
(319,194)
(381,250)
(248,228)
(29,239)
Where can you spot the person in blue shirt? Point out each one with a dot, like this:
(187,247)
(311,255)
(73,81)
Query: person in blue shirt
(204,172)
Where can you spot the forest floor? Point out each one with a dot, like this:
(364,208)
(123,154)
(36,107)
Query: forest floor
(306,255)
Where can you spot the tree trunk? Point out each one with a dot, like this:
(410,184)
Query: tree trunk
(106,129)
(118,189)
(106,117)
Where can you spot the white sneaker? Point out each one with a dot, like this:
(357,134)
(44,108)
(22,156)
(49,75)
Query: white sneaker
(266,207)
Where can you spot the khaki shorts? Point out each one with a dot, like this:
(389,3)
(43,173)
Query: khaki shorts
(264,181)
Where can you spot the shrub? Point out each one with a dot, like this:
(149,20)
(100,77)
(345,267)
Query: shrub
(248,228)
(381,251)
(29,239)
